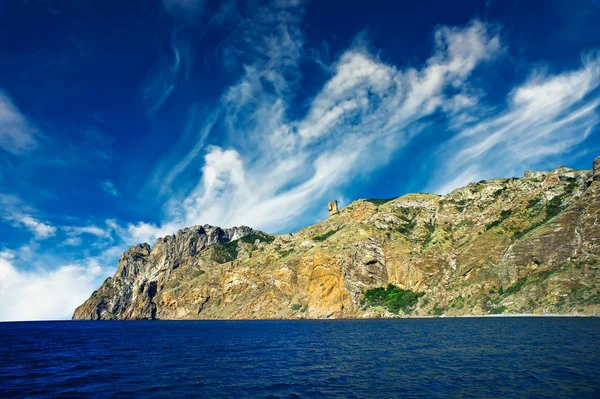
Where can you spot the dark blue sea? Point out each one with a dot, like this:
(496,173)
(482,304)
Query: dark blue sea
(424,358)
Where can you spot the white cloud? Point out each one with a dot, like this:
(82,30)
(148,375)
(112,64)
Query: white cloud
(41,230)
(97,231)
(74,231)
(13,210)
(277,167)
(102,235)
(146,232)
(173,164)
(161,85)
(72,241)
(544,119)
(17,133)
(110,188)
(45,294)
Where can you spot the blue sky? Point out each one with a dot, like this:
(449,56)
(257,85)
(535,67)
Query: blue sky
(124,121)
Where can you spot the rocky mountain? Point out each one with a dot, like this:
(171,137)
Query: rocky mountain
(527,245)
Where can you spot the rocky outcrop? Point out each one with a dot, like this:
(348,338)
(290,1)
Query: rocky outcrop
(596,169)
(528,245)
(332,207)
(143,272)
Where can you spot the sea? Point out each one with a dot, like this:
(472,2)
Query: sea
(505,357)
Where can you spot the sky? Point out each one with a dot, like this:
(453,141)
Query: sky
(121,122)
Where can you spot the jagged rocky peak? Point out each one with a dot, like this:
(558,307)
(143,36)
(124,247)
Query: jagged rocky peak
(596,170)
(132,260)
(186,242)
(144,271)
(192,240)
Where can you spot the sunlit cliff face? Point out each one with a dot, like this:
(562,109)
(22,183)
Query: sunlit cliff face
(528,245)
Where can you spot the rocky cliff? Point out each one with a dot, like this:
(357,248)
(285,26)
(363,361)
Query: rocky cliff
(528,245)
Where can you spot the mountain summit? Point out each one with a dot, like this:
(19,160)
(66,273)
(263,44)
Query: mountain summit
(528,245)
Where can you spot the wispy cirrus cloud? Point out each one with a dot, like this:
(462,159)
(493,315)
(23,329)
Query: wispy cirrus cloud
(92,229)
(109,188)
(176,65)
(191,144)
(41,230)
(162,84)
(21,215)
(276,167)
(100,235)
(18,134)
(544,118)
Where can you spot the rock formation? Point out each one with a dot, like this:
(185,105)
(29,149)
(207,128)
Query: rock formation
(332,207)
(528,245)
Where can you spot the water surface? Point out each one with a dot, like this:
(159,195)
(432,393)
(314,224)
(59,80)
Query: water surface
(428,358)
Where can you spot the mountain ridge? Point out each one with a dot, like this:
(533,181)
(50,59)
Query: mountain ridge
(499,246)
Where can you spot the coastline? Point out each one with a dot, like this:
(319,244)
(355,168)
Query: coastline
(521,315)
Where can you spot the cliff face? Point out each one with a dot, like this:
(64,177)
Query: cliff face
(529,245)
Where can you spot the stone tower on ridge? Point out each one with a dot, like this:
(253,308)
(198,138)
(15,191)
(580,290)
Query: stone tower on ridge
(332,207)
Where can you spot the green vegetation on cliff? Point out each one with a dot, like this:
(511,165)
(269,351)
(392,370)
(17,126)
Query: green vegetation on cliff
(380,201)
(326,235)
(228,251)
(225,252)
(392,298)
(258,236)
